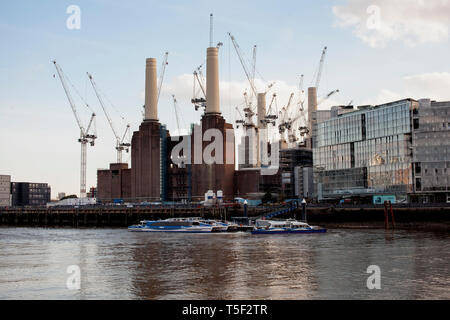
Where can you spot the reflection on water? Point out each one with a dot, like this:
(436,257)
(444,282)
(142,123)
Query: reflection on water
(117,264)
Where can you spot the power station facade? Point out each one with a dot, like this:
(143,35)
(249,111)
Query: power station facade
(165,168)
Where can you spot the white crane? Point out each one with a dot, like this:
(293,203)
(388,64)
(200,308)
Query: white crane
(269,117)
(121,144)
(327,96)
(284,124)
(244,65)
(200,79)
(163,70)
(175,106)
(319,72)
(85,135)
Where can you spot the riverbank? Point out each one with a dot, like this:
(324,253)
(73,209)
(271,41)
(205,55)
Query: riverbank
(406,217)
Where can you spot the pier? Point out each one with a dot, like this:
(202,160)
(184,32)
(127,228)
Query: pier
(121,216)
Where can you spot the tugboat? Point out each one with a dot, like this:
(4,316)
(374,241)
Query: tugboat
(285,226)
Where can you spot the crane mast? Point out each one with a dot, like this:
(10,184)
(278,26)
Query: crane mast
(85,136)
(121,145)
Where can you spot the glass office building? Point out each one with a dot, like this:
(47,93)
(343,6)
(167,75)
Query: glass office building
(367,151)
(431,151)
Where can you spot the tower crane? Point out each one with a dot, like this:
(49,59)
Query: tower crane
(327,96)
(299,115)
(121,144)
(269,117)
(284,124)
(200,79)
(240,121)
(319,72)
(253,69)
(175,106)
(163,70)
(244,65)
(85,135)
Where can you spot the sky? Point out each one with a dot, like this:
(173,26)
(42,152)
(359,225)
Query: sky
(377,51)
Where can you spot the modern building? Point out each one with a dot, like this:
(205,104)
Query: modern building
(318,116)
(431,151)
(30,194)
(293,182)
(5,190)
(385,150)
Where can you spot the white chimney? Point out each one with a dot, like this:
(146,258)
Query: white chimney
(212,81)
(151,90)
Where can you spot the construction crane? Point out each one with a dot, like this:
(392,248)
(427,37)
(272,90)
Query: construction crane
(253,69)
(284,124)
(163,70)
(240,121)
(299,115)
(319,72)
(244,65)
(327,96)
(121,144)
(270,118)
(175,106)
(200,79)
(85,135)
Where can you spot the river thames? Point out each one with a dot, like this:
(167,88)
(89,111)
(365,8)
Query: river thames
(117,264)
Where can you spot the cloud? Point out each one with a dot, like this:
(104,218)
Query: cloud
(434,85)
(231,96)
(376,22)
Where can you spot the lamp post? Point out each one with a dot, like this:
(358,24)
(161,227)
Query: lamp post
(304,210)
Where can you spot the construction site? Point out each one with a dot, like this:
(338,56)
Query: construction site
(273,156)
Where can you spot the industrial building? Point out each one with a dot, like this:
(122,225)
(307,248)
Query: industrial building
(30,194)
(5,190)
(154,174)
(161,170)
(385,150)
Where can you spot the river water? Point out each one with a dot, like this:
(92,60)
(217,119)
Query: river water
(117,264)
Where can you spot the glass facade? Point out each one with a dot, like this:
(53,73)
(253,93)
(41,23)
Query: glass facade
(30,194)
(431,143)
(366,151)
